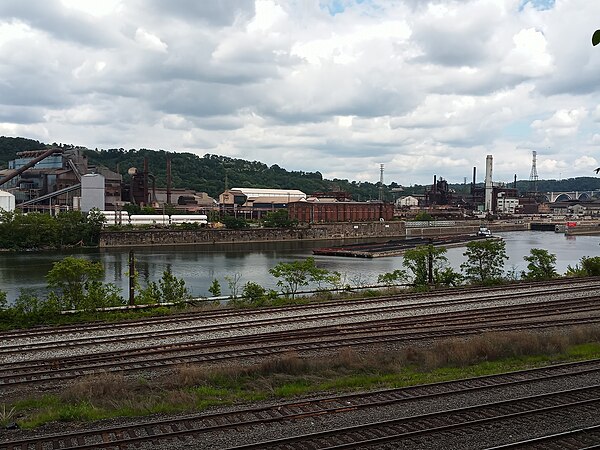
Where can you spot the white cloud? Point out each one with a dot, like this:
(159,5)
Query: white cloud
(529,57)
(563,123)
(424,87)
(150,41)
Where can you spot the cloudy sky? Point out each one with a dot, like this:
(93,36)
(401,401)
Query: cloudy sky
(340,86)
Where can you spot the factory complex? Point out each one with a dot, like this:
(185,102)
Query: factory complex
(59,178)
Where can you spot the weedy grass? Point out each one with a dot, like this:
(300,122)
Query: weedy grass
(192,388)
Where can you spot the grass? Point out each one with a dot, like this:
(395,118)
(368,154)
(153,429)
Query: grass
(194,388)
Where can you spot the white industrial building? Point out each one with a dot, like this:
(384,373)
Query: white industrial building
(92,192)
(7,201)
(407,202)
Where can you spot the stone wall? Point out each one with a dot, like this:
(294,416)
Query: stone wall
(156,237)
(391,230)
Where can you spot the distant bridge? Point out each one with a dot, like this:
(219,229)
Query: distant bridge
(553,197)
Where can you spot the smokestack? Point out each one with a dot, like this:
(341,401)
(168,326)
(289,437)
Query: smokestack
(474,176)
(434,184)
(381,167)
(168,180)
(515,184)
(145,175)
(488,183)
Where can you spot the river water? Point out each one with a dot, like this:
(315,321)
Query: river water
(198,266)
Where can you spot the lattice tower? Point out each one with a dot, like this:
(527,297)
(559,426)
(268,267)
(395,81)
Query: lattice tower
(533,176)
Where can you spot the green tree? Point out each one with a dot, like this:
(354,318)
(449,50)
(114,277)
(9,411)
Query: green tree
(279,219)
(485,260)
(234,223)
(541,265)
(254,293)
(587,267)
(72,276)
(149,295)
(423,217)
(417,261)
(172,289)
(215,288)
(3,301)
(296,274)
(391,278)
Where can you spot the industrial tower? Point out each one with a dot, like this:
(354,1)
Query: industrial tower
(381,183)
(533,176)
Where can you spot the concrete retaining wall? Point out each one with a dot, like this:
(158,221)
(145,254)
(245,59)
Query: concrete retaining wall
(392,230)
(156,237)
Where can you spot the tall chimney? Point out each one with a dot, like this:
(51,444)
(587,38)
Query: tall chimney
(145,181)
(434,184)
(168,180)
(515,184)
(488,183)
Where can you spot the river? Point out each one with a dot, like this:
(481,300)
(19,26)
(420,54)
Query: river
(198,266)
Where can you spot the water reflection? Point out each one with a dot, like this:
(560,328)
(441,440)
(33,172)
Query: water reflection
(199,265)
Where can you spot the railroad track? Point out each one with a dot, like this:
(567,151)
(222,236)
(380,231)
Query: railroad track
(201,424)
(588,304)
(527,316)
(295,320)
(464,293)
(460,420)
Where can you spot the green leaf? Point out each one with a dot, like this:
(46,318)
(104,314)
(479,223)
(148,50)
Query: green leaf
(596,38)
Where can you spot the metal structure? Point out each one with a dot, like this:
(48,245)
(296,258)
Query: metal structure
(381,167)
(533,176)
(30,164)
(488,183)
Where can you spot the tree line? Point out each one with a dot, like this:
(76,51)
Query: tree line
(37,231)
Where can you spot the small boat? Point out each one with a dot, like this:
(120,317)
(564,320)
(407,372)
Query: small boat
(484,231)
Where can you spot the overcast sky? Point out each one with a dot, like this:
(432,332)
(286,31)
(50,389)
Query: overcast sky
(425,87)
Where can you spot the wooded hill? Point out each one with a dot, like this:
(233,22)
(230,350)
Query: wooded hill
(209,172)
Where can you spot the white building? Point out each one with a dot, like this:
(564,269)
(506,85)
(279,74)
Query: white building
(7,201)
(92,192)
(406,202)
(507,205)
(249,196)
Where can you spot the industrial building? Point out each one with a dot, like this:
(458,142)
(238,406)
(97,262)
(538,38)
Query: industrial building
(318,211)
(59,177)
(52,178)
(252,203)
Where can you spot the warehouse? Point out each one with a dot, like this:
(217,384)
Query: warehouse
(331,211)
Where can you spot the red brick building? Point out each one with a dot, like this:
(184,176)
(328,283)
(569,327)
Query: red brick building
(320,212)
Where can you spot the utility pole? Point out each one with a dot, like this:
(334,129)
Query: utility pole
(131,278)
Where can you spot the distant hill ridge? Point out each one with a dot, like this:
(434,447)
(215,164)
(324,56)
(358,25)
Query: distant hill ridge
(208,173)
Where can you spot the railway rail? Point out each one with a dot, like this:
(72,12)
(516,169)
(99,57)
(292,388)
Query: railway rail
(442,295)
(193,427)
(406,329)
(461,420)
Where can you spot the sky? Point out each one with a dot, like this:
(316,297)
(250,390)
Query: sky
(425,87)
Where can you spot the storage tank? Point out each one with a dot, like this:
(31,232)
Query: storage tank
(149,219)
(189,218)
(7,201)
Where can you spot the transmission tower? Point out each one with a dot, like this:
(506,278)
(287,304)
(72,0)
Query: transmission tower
(533,177)
(380,182)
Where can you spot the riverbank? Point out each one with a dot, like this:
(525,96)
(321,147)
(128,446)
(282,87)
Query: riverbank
(321,232)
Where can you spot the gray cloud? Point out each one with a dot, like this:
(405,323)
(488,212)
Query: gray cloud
(419,85)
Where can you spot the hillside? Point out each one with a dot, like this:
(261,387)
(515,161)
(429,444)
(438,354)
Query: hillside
(208,173)
(10,146)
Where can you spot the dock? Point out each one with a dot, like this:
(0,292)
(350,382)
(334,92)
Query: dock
(393,247)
